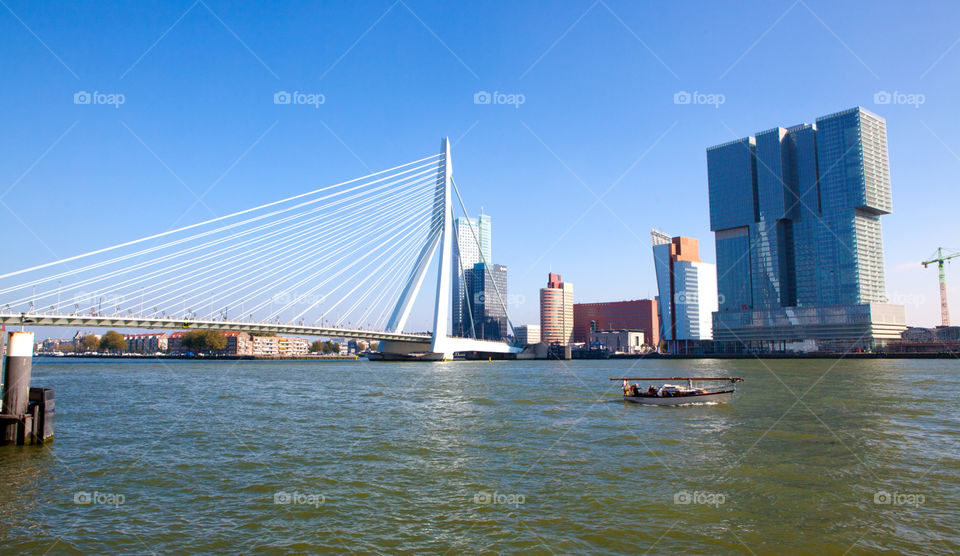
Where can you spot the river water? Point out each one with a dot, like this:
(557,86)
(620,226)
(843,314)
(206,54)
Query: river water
(811,457)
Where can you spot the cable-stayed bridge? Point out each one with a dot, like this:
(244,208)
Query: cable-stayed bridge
(342,261)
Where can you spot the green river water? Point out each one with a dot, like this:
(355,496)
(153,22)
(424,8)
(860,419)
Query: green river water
(811,457)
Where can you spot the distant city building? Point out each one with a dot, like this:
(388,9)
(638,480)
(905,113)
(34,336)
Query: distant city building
(487,288)
(78,338)
(279,346)
(347,347)
(146,343)
(639,314)
(469,233)
(238,343)
(687,289)
(54,344)
(618,341)
(292,347)
(266,346)
(527,334)
(796,216)
(918,334)
(938,334)
(556,311)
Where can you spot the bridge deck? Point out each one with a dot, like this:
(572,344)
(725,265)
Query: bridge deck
(31,319)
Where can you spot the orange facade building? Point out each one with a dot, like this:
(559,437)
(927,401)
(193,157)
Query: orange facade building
(556,311)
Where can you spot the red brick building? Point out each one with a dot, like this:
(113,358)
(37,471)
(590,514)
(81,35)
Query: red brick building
(639,314)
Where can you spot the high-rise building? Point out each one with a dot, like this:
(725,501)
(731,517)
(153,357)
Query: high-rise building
(687,289)
(527,334)
(556,311)
(473,239)
(796,217)
(638,314)
(487,290)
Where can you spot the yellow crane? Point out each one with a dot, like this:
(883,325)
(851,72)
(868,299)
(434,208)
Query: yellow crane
(940,258)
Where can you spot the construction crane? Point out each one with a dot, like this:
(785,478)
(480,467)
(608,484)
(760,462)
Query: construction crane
(940,258)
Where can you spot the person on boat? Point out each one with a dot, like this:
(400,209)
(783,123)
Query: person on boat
(652,391)
(634,391)
(626,387)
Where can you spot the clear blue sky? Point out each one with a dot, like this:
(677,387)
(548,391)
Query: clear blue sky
(598,118)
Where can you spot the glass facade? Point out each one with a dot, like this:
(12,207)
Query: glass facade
(796,215)
(487,288)
(473,238)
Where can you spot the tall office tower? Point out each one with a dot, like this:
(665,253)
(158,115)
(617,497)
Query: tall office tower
(796,217)
(687,289)
(473,239)
(556,311)
(487,289)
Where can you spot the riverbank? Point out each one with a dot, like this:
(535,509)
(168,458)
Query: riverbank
(815,355)
(131,356)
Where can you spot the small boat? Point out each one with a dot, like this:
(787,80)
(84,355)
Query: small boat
(673,394)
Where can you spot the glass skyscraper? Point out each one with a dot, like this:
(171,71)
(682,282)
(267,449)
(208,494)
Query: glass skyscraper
(487,289)
(796,217)
(473,238)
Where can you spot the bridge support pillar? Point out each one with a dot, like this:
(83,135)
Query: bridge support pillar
(16,383)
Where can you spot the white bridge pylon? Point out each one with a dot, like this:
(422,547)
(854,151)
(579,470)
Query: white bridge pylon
(442,345)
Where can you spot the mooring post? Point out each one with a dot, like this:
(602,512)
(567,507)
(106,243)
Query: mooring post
(16,383)
(3,357)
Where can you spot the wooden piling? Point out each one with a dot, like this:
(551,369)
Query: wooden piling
(16,383)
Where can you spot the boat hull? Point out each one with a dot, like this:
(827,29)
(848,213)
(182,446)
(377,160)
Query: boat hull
(712,397)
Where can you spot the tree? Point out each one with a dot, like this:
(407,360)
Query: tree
(316,346)
(90,343)
(200,341)
(113,341)
(331,347)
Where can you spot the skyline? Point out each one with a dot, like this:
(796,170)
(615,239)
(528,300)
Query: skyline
(206,126)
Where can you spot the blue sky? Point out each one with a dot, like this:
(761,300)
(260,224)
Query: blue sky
(574,177)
